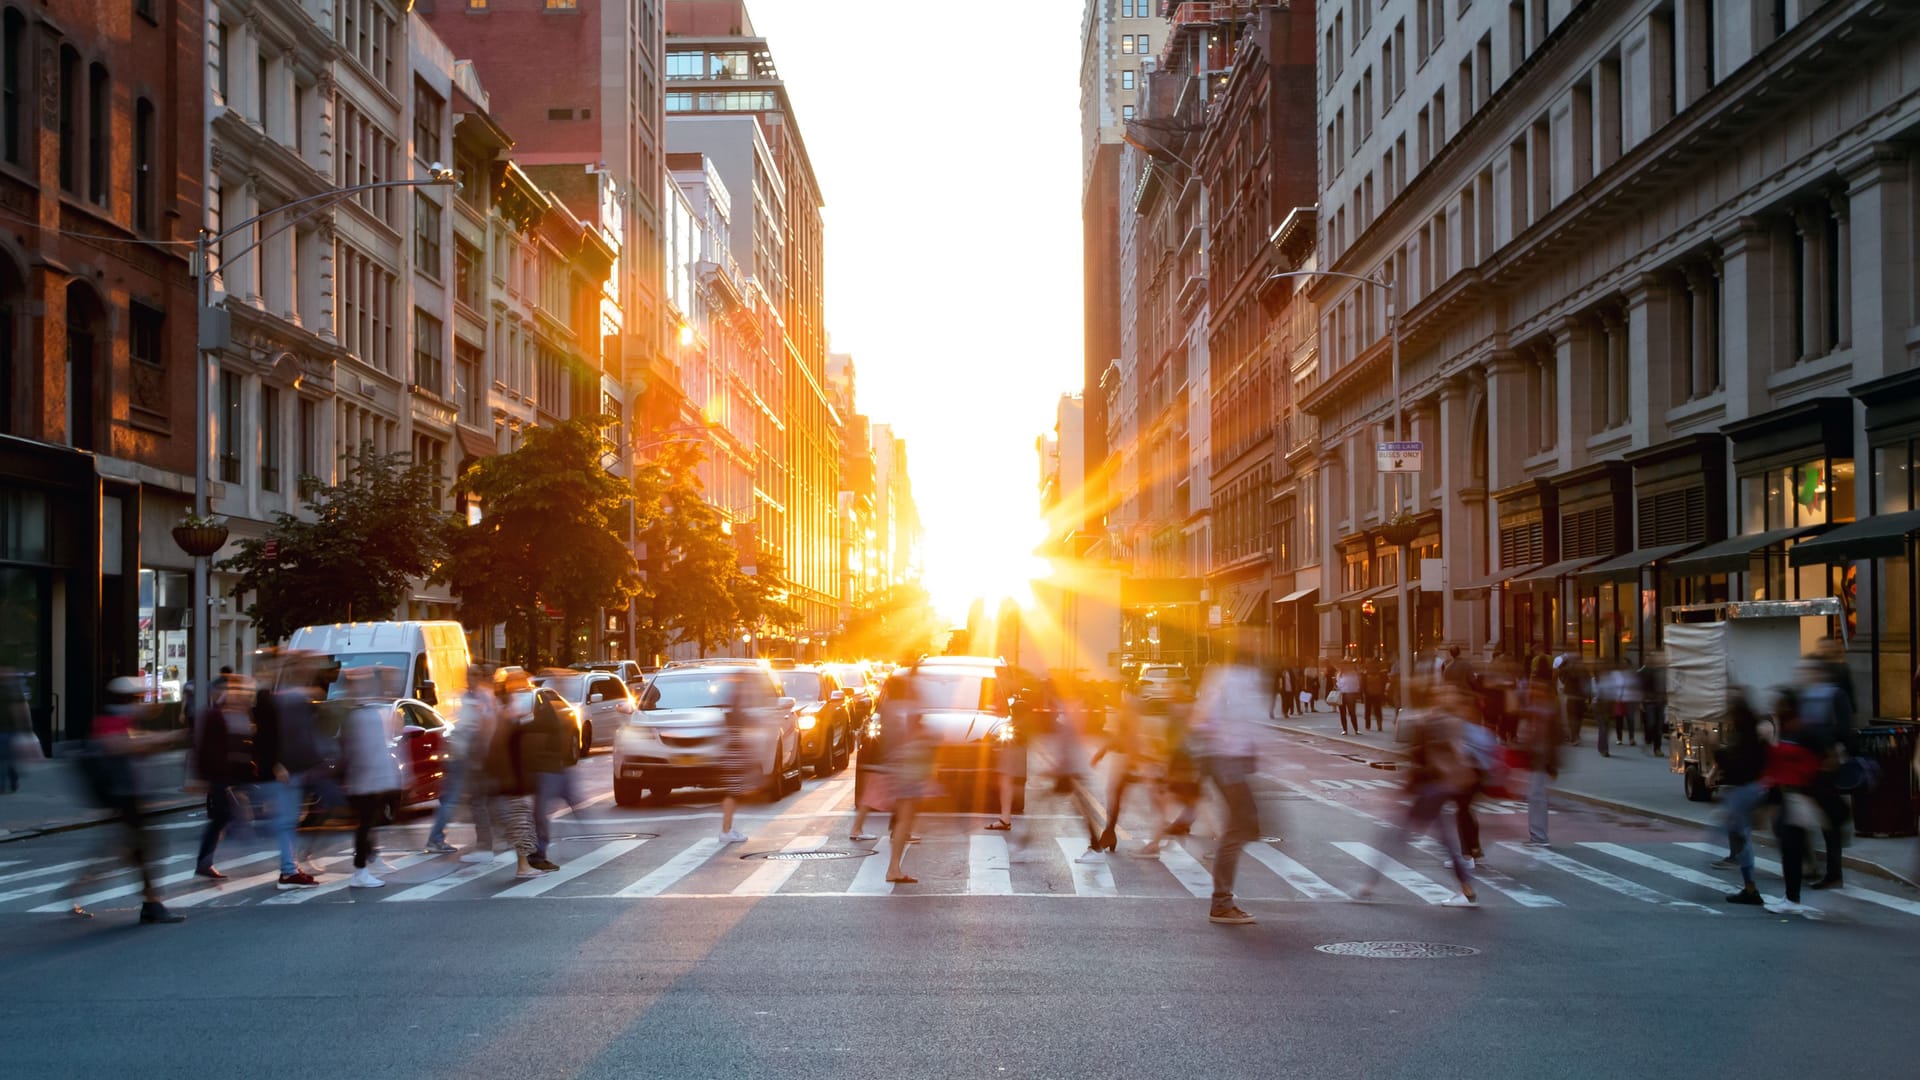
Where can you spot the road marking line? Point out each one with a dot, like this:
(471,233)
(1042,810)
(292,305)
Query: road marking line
(1089,879)
(989,873)
(1494,879)
(1322,799)
(663,877)
(1310,884)
(58,883)
(871,879)
(467,872)
(23,875)
(301,896)
(574,867)
(11,862)
(1597,876)
(1397,872)
(1772,866)
(133,887)
(1187,870)
(235,886)
(773,873)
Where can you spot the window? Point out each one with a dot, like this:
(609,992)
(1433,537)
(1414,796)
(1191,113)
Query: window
(476,5)
(145,340)
(263,92)
(426,237)
(220,56)
(143,166)
(1126,44)
(1126,79)
(467,275)
(269,438)
(308,446)
(429,354)
(69,117)
(468,369)
(1126,9)
(366,307)
(1140,45)
(366,33)
(1126,112)
(562,5)
(230,407)
(428,112)
(13,86)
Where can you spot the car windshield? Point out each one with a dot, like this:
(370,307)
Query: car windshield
(571,687)
(395,665)
(849,675)
(961,690)
(1161,673)
(687,692)
(801,685)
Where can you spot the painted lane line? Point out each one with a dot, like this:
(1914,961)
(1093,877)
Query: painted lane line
(989,873)
(1186,869)
(871,879)
(668,874)
(1303,789)
(1089,879)
(233,887)
(1493,879)
(573,868)
(1772,866)
(773,873)
(1596,876)
(59,883)
(133,887)
(1311,885)
(467,872)
(301,896)
(58,868)
(1397,872)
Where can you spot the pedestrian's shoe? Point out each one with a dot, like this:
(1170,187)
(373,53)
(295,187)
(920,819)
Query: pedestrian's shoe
(1536,843)
(209,872)
(733,836)
(1476,853)
(440,847)
(1727,863)
(531,871)
(542,863)
(861,837)
(79,912)
(1229,915)
(363,879)
(380,865)
(1466,898)
(1828,883)
(477,857)
(1466,861)
(1091,857)
(153,911)
(297,880)
(1749,896)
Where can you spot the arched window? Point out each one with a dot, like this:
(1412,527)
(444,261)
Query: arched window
(86,338)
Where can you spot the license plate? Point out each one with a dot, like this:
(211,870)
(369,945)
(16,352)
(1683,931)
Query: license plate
(689,760)
(633,770)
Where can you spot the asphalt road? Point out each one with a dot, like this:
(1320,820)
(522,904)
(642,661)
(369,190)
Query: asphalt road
(1609,960)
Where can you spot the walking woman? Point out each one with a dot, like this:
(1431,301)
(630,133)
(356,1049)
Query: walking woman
(508,773)
(369,733)
(1743,761)
(909,765)
(1438,776)
(744,703)
(1350,685)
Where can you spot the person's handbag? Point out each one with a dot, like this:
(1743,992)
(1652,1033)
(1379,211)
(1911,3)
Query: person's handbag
(1335,697)
(1306,702)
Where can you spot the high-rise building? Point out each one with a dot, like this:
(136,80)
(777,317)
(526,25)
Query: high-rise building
(718,69)
(896,516)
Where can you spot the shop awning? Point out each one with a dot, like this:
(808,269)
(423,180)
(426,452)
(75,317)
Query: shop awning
(1298,594)
(1249,607)
(1627,567)
(1733,555)
(1364,595)
(474,444)
(1545,576)
(1877,537)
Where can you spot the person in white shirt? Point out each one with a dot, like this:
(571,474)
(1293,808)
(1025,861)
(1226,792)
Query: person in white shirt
(374,778)
(1231,700)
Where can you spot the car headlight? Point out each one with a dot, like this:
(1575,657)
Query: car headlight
(641,731)
(873,729)
(1003,733)
(807,720)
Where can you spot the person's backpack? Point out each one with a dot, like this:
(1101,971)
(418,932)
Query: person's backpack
(299,743)
(1480,750)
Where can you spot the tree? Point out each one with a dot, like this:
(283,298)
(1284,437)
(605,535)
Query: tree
(549,536)
(761,597)
(370,534)
(692,563)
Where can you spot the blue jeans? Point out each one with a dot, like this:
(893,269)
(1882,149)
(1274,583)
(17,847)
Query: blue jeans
(1537,807)
(1741,803)
(289,794)
(551,786)
(451,786)
(1230,775)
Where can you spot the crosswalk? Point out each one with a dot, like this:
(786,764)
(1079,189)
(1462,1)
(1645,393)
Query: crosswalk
(811,859)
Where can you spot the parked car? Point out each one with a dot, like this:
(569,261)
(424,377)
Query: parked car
(602,701)
(421,747)
(825,720)
(628,671)
(966,704)
(861,687)
(1162,682)
(678,738)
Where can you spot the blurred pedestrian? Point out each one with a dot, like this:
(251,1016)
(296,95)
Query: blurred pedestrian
(284,749)
(1742,759)
(746,703)
(1178,790)
(1539,739)
(1576,688)
(1792,770)
(1349,685)
(1025,719)
(508,776)
(1457,670)
(224,759)
(552,752)
(1480,749)
(1224,714)
(910,768)
(369,738)
(1653,701)
(1373,693)
(1439,773)
(111,779)
(466,771)
(1826,724)
(1122,754)
(18,743)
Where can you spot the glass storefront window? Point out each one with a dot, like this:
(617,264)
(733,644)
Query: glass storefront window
(1892,479)
(163,631)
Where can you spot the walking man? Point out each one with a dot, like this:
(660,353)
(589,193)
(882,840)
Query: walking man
(1231,698)
(225,760)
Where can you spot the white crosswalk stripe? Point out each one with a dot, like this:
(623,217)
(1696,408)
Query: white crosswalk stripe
(1397,872)
(42,871)
(871,878)
(988,871)
(132,887)
(573,868)
(57,883)
(668,874)
(1311,885)
(1089,879)
(1492,878)
(1852,892)
(1604,879)
(328,888)
(467,873)
(1187,870)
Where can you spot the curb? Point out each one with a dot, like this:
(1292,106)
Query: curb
(1851,862)
(57,827)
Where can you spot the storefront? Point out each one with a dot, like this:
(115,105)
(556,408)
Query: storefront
(1596,618)
(50,583)
(1794,473)
(1527,620)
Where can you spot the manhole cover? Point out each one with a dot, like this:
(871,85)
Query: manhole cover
(805,856)
(604,837)
(1273,839)
(1396,950)
(1385,766)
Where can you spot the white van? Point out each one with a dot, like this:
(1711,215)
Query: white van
(432,656)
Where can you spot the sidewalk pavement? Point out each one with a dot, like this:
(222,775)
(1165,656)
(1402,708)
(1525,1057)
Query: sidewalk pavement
(1632,781)
(50,799)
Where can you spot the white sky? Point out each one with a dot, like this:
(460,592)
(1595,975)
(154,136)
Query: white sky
(946,137)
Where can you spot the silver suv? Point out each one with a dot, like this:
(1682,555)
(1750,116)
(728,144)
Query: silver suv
(678,737)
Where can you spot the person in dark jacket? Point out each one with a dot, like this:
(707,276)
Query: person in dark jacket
(508,771)
(284,748)
(1742,760)
(224,758)
(552,751)
(1653,701)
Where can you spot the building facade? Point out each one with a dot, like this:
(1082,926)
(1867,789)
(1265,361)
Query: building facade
(1653,272)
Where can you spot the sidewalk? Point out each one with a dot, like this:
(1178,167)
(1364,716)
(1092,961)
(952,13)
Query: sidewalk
(1631,781)
(50,799)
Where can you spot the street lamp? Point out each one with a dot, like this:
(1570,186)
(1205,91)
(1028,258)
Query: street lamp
(1400,493)
(214,332)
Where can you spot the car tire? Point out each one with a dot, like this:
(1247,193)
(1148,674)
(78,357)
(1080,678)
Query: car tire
(841,752)
(1696,785)
(586,738)
(628,792)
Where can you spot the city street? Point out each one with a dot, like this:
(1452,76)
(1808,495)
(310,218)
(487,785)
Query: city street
(653,952)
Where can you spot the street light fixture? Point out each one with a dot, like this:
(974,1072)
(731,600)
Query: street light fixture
(214,332)
(1382,283)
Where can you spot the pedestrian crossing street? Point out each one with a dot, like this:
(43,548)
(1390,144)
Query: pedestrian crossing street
(957,858)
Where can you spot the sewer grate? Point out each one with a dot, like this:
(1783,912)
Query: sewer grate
(605,837)
(1396,950)
(805,856)
(1385,766)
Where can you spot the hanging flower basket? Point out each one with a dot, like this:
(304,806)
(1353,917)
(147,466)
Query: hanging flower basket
(1399,532)
(200,540)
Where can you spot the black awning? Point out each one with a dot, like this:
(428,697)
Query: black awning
(1547,575)
(1252,603)
(1877,537)
(1732,555)
(1298,594)
(1627,567)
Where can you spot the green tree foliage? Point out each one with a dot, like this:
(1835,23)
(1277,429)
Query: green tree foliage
(370,533)
(899,624)
(691,562)
(549,535)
